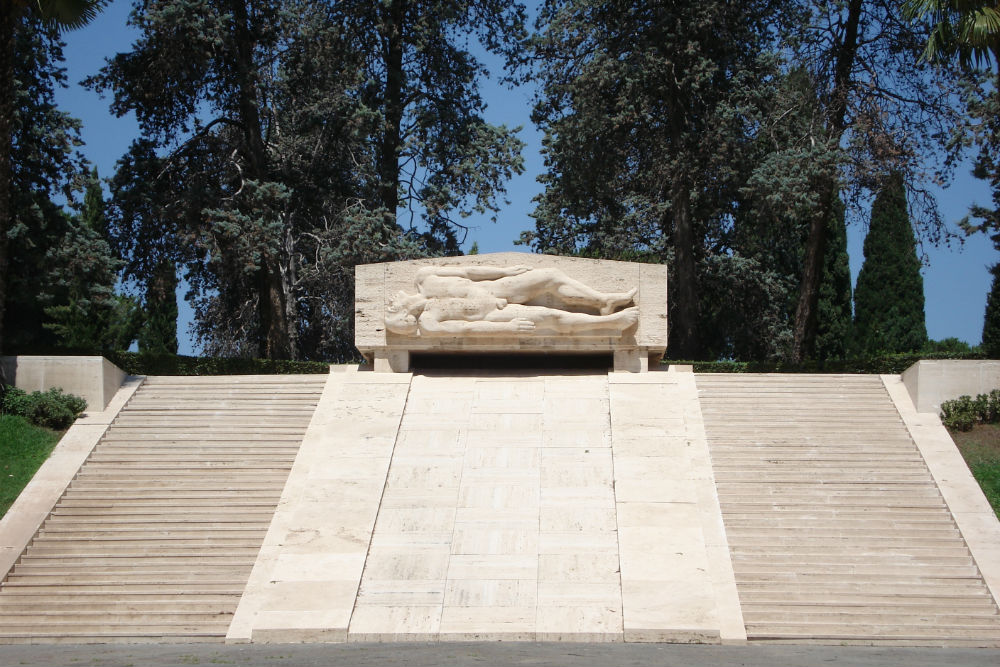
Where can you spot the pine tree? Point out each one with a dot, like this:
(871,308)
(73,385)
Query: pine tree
(834,328)
(889,298)
(281,138)
(84,311)
(991,322)
(645,110)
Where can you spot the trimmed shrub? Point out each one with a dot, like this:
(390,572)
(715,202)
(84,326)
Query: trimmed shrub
(53,409)
(889,364)
(964,412)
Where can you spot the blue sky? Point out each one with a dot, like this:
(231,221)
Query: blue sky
(956,278)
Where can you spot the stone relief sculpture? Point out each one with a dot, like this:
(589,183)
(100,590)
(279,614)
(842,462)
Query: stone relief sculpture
(502,301)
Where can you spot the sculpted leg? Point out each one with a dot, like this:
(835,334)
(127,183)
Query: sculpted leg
(567,322)
(531,284)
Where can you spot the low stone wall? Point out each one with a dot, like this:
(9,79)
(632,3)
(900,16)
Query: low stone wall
(94,378)
(931,382)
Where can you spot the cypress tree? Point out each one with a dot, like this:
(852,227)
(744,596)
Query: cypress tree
(834,328)
(991,323)
(889,299)
(159,332)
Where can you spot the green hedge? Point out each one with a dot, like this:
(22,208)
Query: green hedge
(890,364)
(134,363)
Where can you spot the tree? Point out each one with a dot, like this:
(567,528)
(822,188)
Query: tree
(882,108)
(646,110)
(15,16)
(889,299)
(277,138)
(77,289)
(991,320)
(968,30)
(835,321)
(159,330)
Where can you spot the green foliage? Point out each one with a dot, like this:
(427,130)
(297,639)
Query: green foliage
(23,449)
(889,300)
(171,364)
(889,364)
(159,330)
(646,111)
(281,138)
(951,346)
(991,320)
(743,312)
(965,412)
(966,29)
(50,409)
(835,320)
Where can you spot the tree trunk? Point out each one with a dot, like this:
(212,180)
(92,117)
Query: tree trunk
(273,338)
(812,274)
(8,24)
(812,270)
(684,314)
(392,39)
(274,343)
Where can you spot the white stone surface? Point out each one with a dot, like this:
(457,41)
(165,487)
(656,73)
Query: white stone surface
(19,525)
(930,382)
(972,512)
(304,584)
(95,379)
(676,578)
(376,286)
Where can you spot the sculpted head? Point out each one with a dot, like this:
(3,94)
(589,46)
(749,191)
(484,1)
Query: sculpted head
(402,313)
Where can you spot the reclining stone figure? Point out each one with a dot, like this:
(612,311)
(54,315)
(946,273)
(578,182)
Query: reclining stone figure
(495,301)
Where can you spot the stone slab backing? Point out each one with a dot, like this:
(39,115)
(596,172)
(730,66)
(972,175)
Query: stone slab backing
(40,495)
(375,285)
(972,512)
(305,580)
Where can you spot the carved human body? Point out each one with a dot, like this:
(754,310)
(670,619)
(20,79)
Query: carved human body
(492,301)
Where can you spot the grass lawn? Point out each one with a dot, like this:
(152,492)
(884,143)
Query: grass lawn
(981,449)
(23,448)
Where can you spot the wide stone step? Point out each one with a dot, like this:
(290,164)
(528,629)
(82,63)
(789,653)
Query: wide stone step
(64,617)
(147,560)
(875,605)
(124,636)
(96,604)
(889,630)
(903,561)
(178,589)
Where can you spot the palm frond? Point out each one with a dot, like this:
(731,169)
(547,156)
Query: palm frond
(69,14)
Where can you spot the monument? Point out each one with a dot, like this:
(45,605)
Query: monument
(511,302)
(563,504)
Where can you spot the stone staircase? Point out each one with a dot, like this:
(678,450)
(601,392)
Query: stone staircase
(837,530)
(157,534)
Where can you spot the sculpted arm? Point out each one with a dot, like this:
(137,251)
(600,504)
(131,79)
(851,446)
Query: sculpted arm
(431,326)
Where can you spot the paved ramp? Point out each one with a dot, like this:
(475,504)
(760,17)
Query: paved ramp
(837,530)
(156,535)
